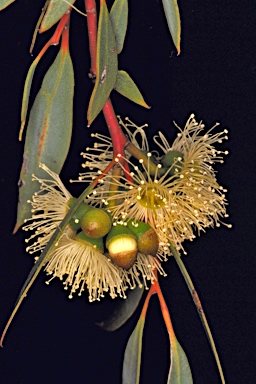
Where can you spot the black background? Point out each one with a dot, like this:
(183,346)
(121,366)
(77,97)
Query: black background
(55,340)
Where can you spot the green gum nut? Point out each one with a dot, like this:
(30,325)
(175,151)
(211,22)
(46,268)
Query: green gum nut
(75,221)
(174,160)
(96,223)
(122,246)
(95,243)
(148,241)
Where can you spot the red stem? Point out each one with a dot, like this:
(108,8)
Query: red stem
(119,140)
(65,38)
(91,11)
(54,40)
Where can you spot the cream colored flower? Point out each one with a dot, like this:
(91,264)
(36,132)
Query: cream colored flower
(49,206)
(179,200)
(76,262)
(98,157)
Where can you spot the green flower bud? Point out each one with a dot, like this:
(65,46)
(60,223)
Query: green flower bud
(96,223)
(75,221)
(122,246)
(148,241)
(174,158)
(95,243)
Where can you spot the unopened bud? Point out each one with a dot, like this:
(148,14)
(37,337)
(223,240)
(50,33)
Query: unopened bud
(96,223)
(122,246)
(148,241)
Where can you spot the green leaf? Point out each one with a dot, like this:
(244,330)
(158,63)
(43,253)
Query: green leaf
(132,355)
(126,86)
(49,130)
(26,94)
(119,19)
(180,372)
(55,10)
(106,66)
(172,14)
(124,310)
(5,3)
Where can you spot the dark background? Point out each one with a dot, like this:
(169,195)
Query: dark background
(55,340)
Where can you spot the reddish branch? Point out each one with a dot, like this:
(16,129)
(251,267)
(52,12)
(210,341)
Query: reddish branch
(119,140)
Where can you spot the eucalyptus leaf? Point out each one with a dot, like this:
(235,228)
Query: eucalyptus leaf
(26,93)
(49,130)
(132,355)
(123,311)
(180,372)
(119,19)
(5,3)
(126,86)
(55,10)
(106,64)
(172,14)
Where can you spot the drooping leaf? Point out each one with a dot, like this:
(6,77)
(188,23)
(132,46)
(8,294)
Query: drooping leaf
(126,86)
(26,94)
(180,372)
(119,19)
(106,66)
(172,14)
(5,3)
(55,10)
(124,310)
(132,355)
(49,129)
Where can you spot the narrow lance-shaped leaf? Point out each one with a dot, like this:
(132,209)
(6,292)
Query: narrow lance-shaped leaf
(123,311)
(26,93)
(132,356)
(119,19)
(126,86)
(180,372)
(49,130)
(5,3)
(55,10)
(106,64)
(172,14)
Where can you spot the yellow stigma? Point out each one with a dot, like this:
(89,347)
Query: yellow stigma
(149,198)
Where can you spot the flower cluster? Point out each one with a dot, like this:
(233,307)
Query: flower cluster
(155,202)
(76,261)
(180,196)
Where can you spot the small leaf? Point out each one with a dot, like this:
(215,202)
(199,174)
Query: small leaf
(55,10)
(106,66)
(49,130)
(124,310)
(126,86)
(180,372)
(26,94)
(172,14)
(119,19)
(5,3)
(132,355)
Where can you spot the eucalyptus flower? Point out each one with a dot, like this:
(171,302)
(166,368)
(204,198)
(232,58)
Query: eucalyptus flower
(179,198)
(76,259)
(97,158)
(49,207)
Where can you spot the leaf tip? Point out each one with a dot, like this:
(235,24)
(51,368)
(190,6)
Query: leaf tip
(21,129)
(17,226)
